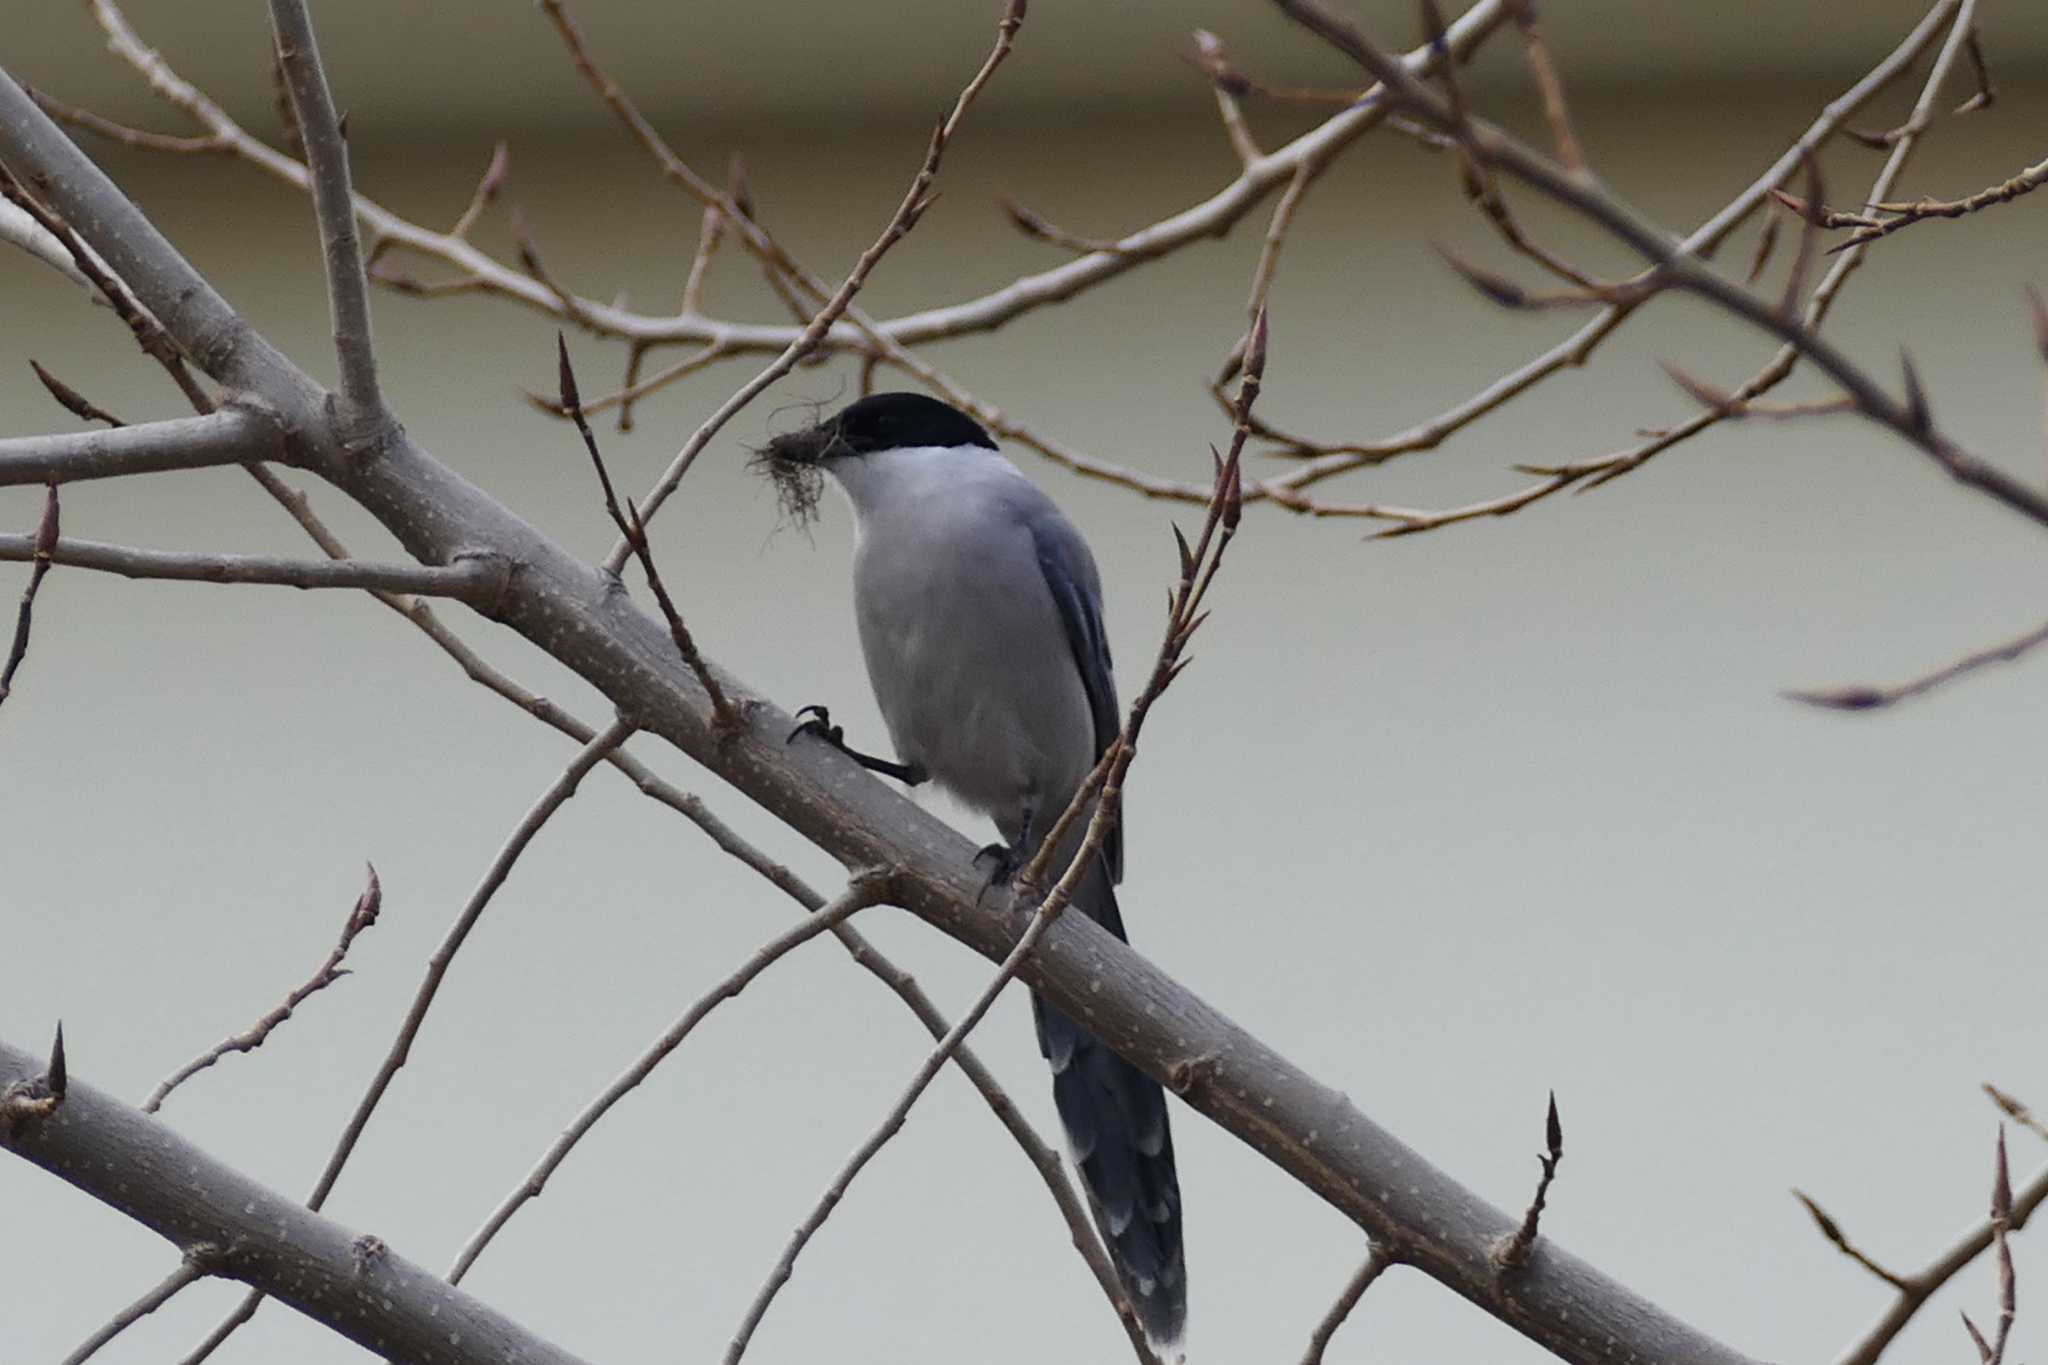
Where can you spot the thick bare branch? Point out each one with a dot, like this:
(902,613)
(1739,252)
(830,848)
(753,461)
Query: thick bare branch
(230,436)
(348,290)
(237,1229)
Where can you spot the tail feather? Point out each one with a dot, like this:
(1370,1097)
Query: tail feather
(1116,1125)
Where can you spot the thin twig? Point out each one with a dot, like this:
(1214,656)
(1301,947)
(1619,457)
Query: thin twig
(635,531)
(360,917)
(1906,419)
(168,1288)
(1326,460)
(1869,229)
(1377,1262)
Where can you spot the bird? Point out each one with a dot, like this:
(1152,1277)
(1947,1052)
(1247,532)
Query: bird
(979,609)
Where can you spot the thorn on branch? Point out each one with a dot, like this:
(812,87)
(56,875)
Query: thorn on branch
(71,400)
(2016,1111)
(281,99)
(45,547)
(487,189)
(1868,697)
(39,1096)
(1809,238)
(88,121)
(1986,94)
(530,262)
(1832,1231)
(57,1079)
(1992,1352)
(1766,243)
(1550,86)
(1513,1252)
(1506,293)
(1038,228)
(1917,414)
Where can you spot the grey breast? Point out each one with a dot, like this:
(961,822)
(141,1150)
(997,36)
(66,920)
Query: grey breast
(965,650)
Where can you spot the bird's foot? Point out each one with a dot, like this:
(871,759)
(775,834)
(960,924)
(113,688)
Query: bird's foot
(1005,861)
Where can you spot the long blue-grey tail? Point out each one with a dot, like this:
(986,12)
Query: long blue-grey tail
(1115,1117)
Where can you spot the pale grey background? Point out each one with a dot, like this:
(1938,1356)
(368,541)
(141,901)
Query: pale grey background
(1452,820)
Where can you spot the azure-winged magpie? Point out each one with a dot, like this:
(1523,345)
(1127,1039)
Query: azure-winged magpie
(980,614)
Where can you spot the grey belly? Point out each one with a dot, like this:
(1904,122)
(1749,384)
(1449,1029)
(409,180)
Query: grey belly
(973,674)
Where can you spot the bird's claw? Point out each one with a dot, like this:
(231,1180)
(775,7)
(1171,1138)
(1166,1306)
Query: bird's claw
(817,720)
(1002,860)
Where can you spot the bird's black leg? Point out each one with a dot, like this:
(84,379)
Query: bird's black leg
(818,721)
(1004,860)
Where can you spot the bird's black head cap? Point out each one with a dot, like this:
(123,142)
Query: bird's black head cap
(889,421)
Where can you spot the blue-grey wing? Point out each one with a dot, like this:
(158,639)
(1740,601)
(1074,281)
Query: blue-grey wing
(1077,591)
